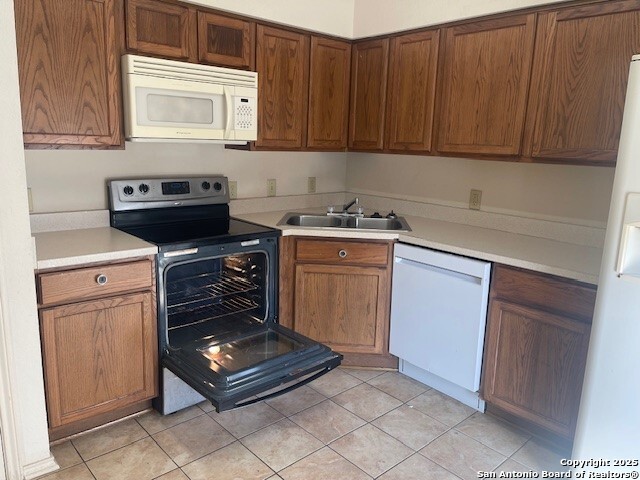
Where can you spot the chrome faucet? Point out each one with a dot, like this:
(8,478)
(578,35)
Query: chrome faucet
(347,206)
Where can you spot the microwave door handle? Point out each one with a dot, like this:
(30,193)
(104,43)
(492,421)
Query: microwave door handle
(228,100)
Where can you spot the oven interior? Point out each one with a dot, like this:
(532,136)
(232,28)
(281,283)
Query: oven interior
(216,309)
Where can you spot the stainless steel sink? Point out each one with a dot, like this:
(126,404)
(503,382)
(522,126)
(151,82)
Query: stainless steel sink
(300,220)
(345,221)
(397,223)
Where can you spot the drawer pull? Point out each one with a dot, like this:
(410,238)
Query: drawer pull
(342,253)
(102,279)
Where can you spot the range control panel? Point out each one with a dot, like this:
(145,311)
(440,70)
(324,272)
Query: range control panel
(144,193)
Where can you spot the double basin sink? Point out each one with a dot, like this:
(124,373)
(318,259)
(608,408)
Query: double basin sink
(397,224)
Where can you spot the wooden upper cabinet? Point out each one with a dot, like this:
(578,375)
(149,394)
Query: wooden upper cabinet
(369,64)
(579,81)
(161,29)
(69,72)
(485,82)
(412,85)
(330,71)
(226,41)
(282,63)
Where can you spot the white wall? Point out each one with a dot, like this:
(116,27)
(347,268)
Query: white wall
(375,17)
(572,194)
(26,443)
(365,18)
(67,180)
(334,17)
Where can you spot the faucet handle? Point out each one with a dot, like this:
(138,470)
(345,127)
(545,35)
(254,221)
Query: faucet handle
(330,209)
(360,209)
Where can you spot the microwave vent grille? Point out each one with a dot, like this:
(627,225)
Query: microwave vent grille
(135,64)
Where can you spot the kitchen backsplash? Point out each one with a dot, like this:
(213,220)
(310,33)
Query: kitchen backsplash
(564,232)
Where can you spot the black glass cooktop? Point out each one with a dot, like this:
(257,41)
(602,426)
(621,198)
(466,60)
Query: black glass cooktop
(198,233)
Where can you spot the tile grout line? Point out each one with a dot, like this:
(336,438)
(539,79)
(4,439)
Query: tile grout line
(323,444)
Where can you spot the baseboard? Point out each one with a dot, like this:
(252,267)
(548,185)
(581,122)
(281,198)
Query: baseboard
(469,398)
(41,467)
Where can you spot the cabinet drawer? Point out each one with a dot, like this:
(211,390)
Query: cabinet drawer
(355,253)
(544,291)
(89,282)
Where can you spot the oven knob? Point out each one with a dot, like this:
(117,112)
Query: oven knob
(217,186)
(206,185)
(128,190)
(144,188)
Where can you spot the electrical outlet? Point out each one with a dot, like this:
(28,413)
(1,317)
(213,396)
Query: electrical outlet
(475,198)
(271,187)
(30,200)
(233,190)
(311,184)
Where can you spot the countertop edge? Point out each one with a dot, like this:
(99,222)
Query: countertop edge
(511,261)
(414,238)
(74,261)
(120,246)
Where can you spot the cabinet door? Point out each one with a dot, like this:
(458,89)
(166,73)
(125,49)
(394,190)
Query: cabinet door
(580,79)
(534,365)
(161,29)
(345,307)
(69,72)
(487,66)
(412,87)
(369,64)
(282,62)
(329,93)
(98,356)
(226,41)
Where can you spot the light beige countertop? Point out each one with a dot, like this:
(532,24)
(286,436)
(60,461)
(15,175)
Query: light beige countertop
(88,245)
(577,262)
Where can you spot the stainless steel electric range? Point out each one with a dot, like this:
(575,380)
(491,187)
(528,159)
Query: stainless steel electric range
(217,284)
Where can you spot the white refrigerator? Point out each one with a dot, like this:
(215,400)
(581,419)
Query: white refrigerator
(609,419)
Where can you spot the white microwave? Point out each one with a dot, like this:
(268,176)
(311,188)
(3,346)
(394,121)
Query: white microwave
(165,100)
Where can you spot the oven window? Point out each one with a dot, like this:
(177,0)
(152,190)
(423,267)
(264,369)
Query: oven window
(248,351)
(215,296)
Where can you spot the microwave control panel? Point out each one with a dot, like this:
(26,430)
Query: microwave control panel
(245,114)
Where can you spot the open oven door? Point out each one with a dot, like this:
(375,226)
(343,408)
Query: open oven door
(240,369)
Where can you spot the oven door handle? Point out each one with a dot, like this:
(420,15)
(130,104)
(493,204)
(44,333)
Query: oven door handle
(288,389)
(177,253)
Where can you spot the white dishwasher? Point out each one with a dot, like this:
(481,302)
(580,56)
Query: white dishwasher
(438,317)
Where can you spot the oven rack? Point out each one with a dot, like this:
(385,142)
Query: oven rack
(207,286)
(210,311)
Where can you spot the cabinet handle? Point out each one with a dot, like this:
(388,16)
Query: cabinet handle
(342,253)
(102,279)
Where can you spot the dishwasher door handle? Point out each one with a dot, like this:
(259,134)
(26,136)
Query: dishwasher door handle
(443,271)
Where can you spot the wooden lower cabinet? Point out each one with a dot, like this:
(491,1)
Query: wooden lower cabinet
(100,355)
(536,348)
(338,293)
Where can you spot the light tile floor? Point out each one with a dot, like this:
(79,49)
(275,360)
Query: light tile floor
(351,424)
